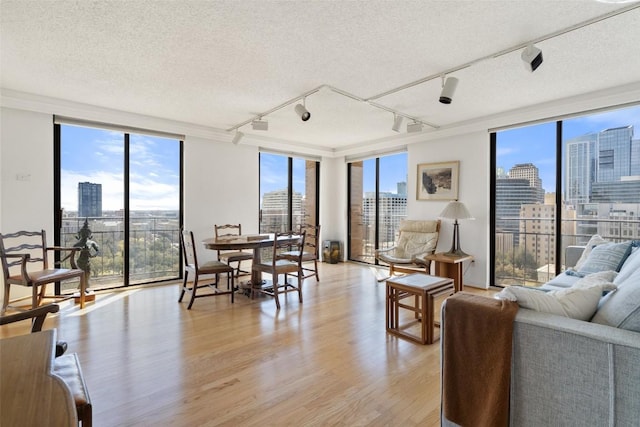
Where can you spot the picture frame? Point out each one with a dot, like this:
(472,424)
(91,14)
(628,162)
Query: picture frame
(438,181)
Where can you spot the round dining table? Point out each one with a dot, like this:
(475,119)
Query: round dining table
(247,241)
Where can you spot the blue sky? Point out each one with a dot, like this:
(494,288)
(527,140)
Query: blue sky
(97,156)
(536,144)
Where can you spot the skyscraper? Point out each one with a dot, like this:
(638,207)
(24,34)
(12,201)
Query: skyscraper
(530,172)
(89,200)
(580,168)
(614,154)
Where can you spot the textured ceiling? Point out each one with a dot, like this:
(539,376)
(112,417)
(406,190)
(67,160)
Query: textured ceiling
(219,63)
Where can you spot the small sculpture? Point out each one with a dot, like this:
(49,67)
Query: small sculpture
(88,249)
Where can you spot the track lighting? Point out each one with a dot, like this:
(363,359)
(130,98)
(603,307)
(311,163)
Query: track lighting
(448,88)
(260,124)
(237,137)
(303,112)
(532,57)
(397,122)
(414,127)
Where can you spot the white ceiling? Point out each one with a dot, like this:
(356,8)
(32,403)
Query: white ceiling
(219,63)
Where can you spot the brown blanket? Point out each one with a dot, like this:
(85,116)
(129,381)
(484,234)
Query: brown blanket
(476,359)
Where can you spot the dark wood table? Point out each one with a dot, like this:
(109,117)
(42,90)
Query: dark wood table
(254,242)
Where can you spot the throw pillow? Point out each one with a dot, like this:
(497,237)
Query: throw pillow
(631,264)
(594,241)
(621,309)
(594,279)
(575,302)
(604,257)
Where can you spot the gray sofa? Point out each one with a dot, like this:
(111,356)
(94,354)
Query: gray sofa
(568,372)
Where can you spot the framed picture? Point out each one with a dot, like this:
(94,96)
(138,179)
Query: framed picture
(438,181)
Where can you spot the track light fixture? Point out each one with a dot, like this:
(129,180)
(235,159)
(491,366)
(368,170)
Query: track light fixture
(414,127)
(260,124)
(532,57)
(237,137)
(397,122)
(448,88)
(302,111)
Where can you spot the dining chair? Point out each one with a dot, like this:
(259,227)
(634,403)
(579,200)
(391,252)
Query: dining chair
(310,251)
(229,257)
(191,265)
(25,262)
(288,265)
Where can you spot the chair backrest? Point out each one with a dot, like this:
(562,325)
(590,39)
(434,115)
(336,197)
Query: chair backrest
(32,243)
(188,249)
(417,237)
(227,230)
(282,243)
(312,238)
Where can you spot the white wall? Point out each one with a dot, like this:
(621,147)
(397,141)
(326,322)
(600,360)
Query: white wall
(220,187)
(472,151)
(26,142)
(26,146)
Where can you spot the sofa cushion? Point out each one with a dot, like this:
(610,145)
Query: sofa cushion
(621,309)
(578,302)
(607,256)
(631,264)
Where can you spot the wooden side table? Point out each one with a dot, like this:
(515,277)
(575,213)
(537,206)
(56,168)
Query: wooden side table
(450,266)
(424,288)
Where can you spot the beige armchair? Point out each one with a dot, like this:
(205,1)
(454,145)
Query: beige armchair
(416,240)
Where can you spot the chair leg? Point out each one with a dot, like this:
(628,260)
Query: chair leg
(5,301)
(43,290)
(34,296)
(233,291)
(84,281)
(315,265)
(184,286)
(193,291)
(300,281)
(275,290)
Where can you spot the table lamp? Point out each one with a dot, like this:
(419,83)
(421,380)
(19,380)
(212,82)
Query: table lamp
(456,210)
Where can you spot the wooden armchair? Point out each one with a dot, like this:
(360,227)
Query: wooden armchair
(416,240)
(25,262)
(65,366)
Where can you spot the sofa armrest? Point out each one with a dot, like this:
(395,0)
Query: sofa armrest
(572,255)
(570,370)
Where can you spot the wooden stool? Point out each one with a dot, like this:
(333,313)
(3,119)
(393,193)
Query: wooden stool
(424,288)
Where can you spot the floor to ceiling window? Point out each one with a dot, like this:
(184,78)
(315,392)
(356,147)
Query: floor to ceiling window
(288,192)
(125,190)
(377,203)
(583,170)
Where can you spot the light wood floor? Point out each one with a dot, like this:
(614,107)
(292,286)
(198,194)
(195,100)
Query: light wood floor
(147,360)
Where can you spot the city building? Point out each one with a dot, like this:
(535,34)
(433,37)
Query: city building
(274,210)
(529,172)
(89,200)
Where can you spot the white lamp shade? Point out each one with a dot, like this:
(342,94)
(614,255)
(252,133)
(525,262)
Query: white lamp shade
(456,210)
